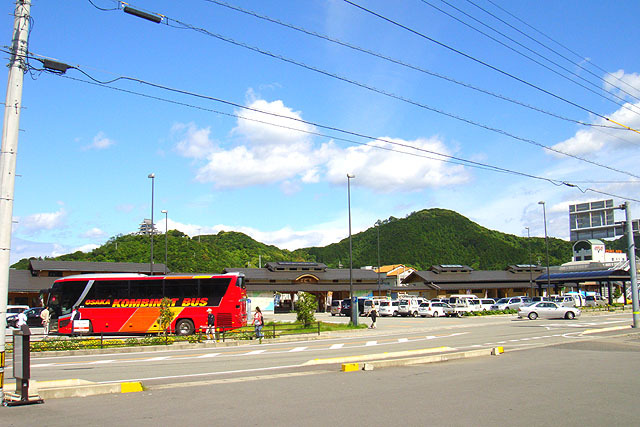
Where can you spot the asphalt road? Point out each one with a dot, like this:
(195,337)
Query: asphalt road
(586,382)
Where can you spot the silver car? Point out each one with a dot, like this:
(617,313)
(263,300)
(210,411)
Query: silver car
(549,310)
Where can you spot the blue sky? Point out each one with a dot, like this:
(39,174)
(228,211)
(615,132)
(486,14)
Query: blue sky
(85,149)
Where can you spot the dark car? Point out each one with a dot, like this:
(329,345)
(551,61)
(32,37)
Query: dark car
(33,318)
(345,310)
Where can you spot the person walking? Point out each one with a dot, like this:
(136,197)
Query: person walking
(211,325)
(374,316)
(46,318)
(258,322)
(21,323)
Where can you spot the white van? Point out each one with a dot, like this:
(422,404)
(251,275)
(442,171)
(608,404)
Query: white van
(389,308)
(468,302)
(408,306)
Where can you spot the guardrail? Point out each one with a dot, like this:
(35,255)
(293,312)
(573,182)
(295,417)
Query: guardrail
(53,342)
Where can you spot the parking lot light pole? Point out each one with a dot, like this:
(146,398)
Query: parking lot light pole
(152,176)
(530,265)
(354,302)
(631,255)
(166,227)
(546,241)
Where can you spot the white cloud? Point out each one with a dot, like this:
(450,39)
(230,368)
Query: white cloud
(267,154)
(94,233)
(382,170)
(620,82)
(597,139)
(35,223)
(100,142)
(194,143)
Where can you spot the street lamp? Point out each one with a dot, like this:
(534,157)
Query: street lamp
(378,224)
(530,265)
(354,303)
(152,176)
(166,225)
(546,241)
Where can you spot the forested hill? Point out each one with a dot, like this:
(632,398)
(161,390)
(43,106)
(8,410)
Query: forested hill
(439,236)
(422,239)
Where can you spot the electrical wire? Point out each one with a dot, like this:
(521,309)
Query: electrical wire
(582,58)
(485,64)
(403,64)
(442,157)
(600,88)
(388,94)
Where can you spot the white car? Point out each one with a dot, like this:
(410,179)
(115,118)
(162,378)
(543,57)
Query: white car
(486,303)
(388,308)
(549,310)
(433,309)
(509,303)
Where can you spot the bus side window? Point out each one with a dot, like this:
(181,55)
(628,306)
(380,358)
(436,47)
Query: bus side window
(213,290)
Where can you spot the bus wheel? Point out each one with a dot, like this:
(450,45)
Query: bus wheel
(184,327)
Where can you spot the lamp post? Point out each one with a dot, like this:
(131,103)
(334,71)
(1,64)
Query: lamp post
(166,226)
(546,241)
(354,302)
(378,224)
(153,178)
(530,265)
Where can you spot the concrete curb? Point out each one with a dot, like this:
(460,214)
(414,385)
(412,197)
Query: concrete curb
(434,358)
(76,388)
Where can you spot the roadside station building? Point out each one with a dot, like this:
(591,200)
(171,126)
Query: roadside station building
(443,280)
(274,287)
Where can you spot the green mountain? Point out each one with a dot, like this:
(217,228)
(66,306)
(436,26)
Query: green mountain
(422,239)
(440,236)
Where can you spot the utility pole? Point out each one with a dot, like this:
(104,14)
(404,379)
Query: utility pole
(631,254)
(12,107)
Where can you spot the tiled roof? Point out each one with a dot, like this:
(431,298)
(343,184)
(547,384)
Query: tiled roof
(93,267)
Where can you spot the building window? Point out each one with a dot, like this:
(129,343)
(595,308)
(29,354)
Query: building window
(54,274)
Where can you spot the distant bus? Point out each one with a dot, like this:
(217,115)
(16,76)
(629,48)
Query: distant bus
(130,303)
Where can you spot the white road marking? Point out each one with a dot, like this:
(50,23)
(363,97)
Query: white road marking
(370,343)
(254,352)
(204,356)
(293,350)
(336,346)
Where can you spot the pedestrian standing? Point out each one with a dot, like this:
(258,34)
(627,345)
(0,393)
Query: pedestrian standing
(258,322)
(75,315)
(374,315)
(46,318)
(211,324)
(22,323)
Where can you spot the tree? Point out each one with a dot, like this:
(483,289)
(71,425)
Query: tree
(305,308)
(166,315)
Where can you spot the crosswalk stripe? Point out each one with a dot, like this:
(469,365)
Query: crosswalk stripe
(204,356)
(336,346)
(372,343)
(297,349)
(254,352)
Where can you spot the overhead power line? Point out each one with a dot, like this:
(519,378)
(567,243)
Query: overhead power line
(581,57)
(404,64)
(441,156)
(388,94)
(485,64)
(622,102)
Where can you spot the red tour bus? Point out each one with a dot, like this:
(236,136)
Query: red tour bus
(130,303)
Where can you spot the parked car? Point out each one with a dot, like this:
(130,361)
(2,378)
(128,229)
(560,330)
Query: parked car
(549,310)
(538,299)
(595,301)
(486,303)
(432,309)
(336,307)
(345,309)
(511,303)
(33,318)
(566,300)
(409,307)
(389,308)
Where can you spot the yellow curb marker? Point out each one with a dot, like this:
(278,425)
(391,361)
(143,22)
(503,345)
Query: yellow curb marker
(497,351)
(130,387)
(350,367)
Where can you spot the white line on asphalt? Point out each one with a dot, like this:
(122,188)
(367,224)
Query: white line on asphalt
(336,346)
(369,343)
(204,356)
(250,353)
(99,362)
(154,359)
(293,350)
(403,339)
